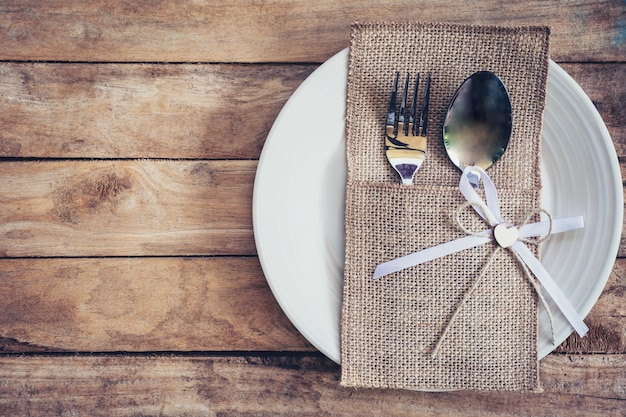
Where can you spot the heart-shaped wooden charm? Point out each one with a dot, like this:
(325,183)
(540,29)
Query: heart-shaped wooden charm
(505,236)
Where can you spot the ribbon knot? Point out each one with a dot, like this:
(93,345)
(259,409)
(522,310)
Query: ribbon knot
(506,236)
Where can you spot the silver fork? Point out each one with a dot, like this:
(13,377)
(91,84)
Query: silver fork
(405,142)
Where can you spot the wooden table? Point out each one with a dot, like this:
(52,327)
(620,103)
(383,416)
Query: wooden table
(129,138)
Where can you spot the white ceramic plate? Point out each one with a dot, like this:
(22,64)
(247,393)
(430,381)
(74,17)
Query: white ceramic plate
(298,203)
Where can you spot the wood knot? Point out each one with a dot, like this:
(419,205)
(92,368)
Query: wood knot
(90,196)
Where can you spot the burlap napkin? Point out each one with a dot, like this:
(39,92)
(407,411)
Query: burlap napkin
(390,326)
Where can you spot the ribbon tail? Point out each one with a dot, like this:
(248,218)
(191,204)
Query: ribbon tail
(558,226)
(429,254)
(551,288)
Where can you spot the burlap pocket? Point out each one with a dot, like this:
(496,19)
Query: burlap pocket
(392,325)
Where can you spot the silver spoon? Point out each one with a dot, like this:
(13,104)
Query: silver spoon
(478,124)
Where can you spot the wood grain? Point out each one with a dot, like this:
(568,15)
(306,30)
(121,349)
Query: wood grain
(126,208)
(174,304)
(185,111)
(275,30)
(141,111)
(589,386)
(153,304)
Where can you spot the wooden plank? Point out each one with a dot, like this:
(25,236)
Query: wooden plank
(275,30)
(185,111)
(127,208)
(589,386)
(141,111)
(145,304)
(176,304)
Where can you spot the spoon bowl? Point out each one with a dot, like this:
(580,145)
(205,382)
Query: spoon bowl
(478,123)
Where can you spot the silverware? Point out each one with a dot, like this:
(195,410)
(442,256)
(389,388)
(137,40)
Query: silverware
(405,133)
(478,123)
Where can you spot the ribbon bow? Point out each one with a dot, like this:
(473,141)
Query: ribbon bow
(506,235)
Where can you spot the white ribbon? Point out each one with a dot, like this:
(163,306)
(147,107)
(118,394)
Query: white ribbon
(490,212)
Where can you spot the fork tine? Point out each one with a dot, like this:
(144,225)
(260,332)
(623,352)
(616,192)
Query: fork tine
(391,112)
(405,98)
(413,111)
(423,122)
